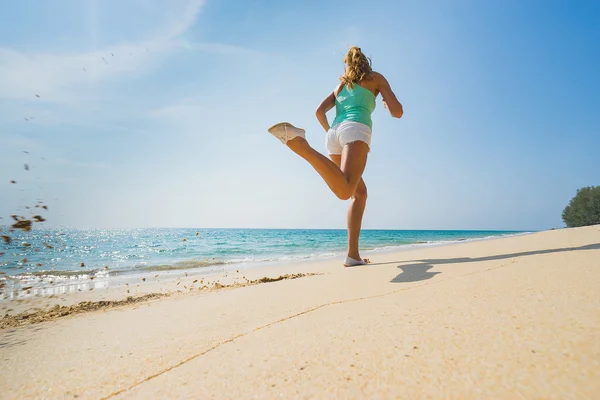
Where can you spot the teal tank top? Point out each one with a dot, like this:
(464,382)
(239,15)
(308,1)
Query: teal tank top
(354,104)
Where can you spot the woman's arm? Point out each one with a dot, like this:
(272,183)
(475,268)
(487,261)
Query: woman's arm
(321,112)
(325,106)
(389,98)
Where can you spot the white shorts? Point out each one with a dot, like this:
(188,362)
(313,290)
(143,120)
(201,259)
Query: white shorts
(344,133)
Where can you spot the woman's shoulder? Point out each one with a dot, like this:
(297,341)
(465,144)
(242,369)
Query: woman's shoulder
(376,75)
(378,80)
(338,88)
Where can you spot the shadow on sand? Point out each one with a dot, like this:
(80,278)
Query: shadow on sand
(418,270)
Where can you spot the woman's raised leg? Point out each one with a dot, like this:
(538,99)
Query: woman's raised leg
(343,180)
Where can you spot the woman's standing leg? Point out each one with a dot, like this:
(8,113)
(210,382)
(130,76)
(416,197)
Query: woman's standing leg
(355,212)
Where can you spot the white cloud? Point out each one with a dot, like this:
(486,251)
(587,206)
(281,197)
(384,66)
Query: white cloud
(23,76)
(61,161)
(187,19)
(57,77)
(223,49)
(14,142)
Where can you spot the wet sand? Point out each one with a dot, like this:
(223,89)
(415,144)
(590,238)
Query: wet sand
(34,315)
(507,318)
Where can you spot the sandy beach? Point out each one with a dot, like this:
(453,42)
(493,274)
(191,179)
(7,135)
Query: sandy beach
(509,318)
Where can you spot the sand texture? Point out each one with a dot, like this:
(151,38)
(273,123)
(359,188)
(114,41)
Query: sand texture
(510,318)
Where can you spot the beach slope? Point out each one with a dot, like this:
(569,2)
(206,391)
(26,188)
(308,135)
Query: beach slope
(508,318)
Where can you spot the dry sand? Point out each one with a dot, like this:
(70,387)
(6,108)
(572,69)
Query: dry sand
(511,318)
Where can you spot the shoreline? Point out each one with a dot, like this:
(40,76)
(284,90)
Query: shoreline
(46,284)
(120,287)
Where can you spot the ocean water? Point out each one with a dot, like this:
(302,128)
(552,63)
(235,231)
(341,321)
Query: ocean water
(64,252)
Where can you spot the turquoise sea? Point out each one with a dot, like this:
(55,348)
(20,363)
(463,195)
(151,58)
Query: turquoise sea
(73,251)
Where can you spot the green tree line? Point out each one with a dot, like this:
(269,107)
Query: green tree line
(584,208)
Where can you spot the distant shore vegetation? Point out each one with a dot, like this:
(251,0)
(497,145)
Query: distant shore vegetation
(584,208)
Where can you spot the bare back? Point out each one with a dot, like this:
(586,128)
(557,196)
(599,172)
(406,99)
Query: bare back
(371,84)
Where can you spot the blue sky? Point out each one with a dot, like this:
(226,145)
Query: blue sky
(154,113)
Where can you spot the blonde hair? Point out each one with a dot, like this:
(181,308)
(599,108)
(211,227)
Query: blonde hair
(358,67)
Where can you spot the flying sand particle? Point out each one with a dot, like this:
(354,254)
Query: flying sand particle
(24,225)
